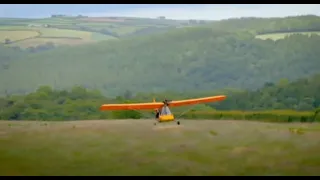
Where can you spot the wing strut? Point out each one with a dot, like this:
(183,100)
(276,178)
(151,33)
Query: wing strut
(187,110)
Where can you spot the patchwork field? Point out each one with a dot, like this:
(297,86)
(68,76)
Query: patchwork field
(33,36)
(277,36)
(137,147)
(88,29)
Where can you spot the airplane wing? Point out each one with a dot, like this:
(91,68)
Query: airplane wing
(156,105)
(197,101)
(132,106)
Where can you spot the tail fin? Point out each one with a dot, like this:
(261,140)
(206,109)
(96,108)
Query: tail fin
(154,100)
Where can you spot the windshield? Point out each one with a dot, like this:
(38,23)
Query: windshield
(165,110)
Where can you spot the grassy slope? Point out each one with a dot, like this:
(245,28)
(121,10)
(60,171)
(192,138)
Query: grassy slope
(136,147)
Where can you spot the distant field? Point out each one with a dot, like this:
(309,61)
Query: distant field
(17,35)
(277,36)
(53,32)
(126,29)
(137,147)
(33,36)
(53,21)
(102,19)
(57,41)
(93,29)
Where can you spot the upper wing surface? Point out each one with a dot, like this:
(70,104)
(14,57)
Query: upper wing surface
(132,106)
(197,101)
(156,105)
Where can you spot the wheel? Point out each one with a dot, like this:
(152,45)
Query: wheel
(178,122)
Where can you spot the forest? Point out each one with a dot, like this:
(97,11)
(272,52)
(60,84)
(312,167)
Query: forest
(280,102)
(221,55)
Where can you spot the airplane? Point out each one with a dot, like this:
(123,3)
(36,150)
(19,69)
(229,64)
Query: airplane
(163,113)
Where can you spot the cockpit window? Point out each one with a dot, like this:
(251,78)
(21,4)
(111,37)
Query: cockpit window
(165,111)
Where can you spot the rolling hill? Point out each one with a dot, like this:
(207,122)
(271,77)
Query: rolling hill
(186,59)
(68,30)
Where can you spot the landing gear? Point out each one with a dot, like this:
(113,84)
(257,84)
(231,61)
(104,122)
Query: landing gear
(178,123)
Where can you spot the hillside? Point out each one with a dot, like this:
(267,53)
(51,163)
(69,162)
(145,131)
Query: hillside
(186,59)
(64,30)
(77,30)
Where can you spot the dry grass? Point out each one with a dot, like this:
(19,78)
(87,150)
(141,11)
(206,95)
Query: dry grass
(137,147)
(17,35)
(54,35)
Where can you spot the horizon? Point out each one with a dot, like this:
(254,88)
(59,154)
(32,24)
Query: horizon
(170,11)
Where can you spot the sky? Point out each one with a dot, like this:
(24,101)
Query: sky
(170,11)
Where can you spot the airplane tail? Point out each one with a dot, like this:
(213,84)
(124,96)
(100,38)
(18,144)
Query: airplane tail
(154,100)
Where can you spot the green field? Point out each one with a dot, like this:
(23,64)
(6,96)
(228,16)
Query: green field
(277,36)
(137,147)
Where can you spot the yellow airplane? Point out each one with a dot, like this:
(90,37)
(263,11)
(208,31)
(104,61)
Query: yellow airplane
(163,113)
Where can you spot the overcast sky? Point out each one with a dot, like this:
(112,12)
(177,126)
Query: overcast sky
(171,11)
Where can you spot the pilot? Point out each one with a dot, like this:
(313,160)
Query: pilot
(157,113)
(165,102)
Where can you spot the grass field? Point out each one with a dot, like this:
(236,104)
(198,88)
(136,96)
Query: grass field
(277,36)
(137,147)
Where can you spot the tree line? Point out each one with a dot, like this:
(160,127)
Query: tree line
(283,102)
